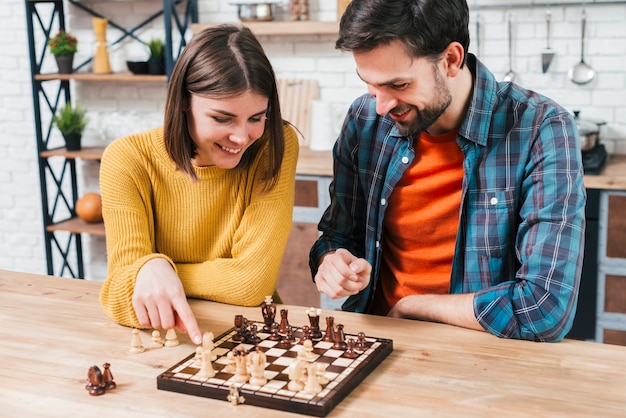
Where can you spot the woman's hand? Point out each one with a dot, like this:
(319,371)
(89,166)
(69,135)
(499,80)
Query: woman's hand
(160,302)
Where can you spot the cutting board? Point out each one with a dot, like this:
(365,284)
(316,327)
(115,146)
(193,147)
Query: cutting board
(296,100)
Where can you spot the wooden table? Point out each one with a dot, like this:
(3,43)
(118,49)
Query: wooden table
(53,330)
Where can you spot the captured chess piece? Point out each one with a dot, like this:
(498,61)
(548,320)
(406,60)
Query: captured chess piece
(136,346)
(107,377)
(157,342)
(171,339)
(95,382)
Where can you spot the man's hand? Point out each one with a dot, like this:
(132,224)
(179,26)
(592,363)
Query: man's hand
(342,274)
(160,301)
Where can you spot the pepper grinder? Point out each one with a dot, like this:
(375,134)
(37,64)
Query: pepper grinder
(101,63)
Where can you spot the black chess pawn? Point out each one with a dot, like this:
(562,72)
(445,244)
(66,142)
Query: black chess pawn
(329,335)
(361,344)
(252,337)
(340,338)
(107,377)
(288,339)
(274,335)
(350,351)
(306,334)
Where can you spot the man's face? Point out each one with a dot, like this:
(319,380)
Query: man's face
(412,91)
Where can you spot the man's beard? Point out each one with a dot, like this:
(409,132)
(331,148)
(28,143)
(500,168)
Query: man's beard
(426,117)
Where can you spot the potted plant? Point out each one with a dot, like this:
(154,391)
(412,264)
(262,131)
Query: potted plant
(71,121)
(63,46)
(156,62)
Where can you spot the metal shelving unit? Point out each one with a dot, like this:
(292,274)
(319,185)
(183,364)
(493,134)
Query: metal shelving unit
(57,166)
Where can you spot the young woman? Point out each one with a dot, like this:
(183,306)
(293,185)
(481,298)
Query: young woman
(202,206)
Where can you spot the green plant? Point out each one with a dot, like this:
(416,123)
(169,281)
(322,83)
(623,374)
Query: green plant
(63,44)
(157,48)
(71,120)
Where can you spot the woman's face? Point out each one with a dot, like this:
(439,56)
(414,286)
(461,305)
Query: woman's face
(223,128)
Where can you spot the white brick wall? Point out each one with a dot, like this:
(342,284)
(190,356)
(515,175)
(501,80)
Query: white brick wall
(119,108)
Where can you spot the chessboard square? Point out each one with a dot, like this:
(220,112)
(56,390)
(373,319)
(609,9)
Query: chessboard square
(273,367)
(284,361)
(299,396)
(220,351)
(269,374)
(266,343)
(343,362)
(226,345)
(333,353)
(324,345)
(331,375)
(275,352)
(273,386)
(287,394)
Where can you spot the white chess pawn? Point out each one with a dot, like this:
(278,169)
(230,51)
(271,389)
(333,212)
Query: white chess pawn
(136,346)
(206,370)
(157,342)
(171,339)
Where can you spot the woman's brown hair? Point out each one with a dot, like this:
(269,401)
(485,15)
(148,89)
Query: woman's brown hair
(223,61)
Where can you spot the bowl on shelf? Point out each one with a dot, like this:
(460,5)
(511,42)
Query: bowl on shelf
(138,67)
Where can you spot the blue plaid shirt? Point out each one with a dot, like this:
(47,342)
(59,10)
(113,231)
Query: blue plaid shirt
(520,239)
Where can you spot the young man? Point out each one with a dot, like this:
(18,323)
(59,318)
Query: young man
(456,198)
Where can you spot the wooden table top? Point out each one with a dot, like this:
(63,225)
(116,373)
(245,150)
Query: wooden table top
(53,330)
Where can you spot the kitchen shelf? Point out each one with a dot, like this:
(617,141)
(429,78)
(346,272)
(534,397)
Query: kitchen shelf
(85,153)
(283,28)
(58,182)
(124,76)
(77,226)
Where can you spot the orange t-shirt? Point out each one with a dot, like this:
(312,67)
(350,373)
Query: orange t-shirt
(421,223)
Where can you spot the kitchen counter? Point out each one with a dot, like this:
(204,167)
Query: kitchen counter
(613,177)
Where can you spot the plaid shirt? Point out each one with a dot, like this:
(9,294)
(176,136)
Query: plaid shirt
(520,239)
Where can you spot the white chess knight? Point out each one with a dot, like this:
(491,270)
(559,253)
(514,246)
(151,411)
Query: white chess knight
(208,345)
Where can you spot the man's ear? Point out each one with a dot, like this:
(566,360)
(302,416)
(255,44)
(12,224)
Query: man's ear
(454,56)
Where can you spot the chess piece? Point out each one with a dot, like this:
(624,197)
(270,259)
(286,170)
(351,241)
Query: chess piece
(239,334)
(241,372)
(296,375)
(171,339)
(234,397)
(314,320)
(340,338)
(136,346)
(230,366)
(307,349)
(157,342)
(321,373)
(206,369)
(274,335)
(361,344)
(197,359)
(312,385)
(107,377)
(306,334)
(208,346)
(329,335)
(284,321)
(269,313)
(351,352)
(95,382)
(256,362)
(252,337)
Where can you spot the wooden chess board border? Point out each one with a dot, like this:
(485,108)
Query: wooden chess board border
(317,406)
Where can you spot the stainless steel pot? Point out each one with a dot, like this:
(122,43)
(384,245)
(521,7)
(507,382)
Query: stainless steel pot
(588,131)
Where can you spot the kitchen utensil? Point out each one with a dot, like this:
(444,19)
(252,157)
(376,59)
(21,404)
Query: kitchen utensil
(588,131)
(548,54)
(582,73)
(254,10)
(510,75)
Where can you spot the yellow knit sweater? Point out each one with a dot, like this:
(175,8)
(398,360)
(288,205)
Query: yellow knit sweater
(223,235)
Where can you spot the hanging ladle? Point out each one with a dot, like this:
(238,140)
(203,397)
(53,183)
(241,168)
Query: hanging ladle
(510,75)
(582,73)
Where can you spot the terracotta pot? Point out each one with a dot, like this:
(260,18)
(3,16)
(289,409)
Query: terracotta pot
(65,63)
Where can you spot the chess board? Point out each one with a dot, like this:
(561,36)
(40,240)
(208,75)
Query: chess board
(343,373)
